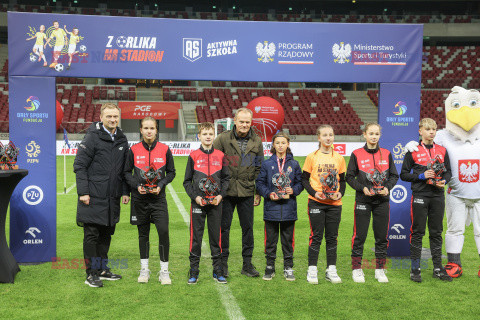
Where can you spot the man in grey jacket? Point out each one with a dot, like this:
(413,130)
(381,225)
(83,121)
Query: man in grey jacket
(244,153)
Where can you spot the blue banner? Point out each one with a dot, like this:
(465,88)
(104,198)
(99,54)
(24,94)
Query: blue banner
(399,114)
(146,48)
(33,203)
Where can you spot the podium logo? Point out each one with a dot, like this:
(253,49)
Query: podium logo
(33,232)
(192,48)
(33,150)
(398,194)
(33,195)
(397,227)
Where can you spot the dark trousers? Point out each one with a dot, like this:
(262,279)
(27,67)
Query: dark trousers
(423,208)
(213,215)
(381,217)
(287,238)
(244,207)
(96,242)
(163,239)
(323,217)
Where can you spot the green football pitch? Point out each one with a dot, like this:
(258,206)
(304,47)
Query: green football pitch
(57,291)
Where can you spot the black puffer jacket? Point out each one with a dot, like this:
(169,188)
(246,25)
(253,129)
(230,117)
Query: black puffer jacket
(99,173)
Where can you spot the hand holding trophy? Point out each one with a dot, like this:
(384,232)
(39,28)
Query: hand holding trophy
(329,181)
(377,178)
(436,164)
(282,182)
(151,177)
(210,191)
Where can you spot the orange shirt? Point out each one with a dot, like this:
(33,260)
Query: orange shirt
(317,163)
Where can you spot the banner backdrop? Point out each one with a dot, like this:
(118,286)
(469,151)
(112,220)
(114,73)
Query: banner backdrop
(33,203)
(145,48)
(399,114)
(142,109)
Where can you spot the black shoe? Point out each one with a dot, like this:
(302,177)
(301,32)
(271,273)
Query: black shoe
(416,275)
(218,276)
(93,281)
(441,274)
(269,273)
(108,275)
(193,276)
(250,271)
(225,269)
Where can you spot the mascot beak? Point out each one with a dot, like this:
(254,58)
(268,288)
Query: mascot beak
(465,117)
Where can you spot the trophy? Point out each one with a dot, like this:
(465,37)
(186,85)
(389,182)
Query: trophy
(438,167)
(329,183)
(8,156)
(151,176)
(210,189)
(282,182)
(377,178)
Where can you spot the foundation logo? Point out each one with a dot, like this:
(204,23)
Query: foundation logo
(192,49)
(400,108)
(265,51)
(341,53)
(32,103)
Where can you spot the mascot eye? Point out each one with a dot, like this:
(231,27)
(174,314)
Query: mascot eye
(473,103)
(455,103)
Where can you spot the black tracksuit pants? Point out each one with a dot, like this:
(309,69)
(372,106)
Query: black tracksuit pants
(323,218)
(96,243)
(423,208)
(198,215)
(287,238)
(244,207)
(381,217)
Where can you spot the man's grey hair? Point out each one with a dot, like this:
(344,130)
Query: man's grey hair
(243,110)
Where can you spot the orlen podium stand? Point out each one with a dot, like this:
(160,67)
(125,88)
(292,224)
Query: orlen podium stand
(8,181)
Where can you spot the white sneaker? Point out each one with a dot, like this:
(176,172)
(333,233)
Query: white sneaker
(312,275)
(164,277)
(358,276)
(331,274)
(380,275)
(144,276)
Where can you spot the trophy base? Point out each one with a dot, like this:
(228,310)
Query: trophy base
(376,190)
(209,201)
(8,167)
(281,195)
(328,195)
(149,188)
(434,182)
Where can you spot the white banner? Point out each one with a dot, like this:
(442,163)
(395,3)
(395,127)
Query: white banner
(180,148)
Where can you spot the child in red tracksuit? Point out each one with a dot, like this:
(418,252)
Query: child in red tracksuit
(206,183)
(428,198)
(372,173)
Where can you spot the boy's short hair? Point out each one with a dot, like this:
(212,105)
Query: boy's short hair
(427,123)
(205,126)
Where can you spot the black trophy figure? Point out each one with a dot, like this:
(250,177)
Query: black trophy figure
(210,190)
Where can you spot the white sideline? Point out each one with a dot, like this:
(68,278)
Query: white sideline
(228,300)
(69,189)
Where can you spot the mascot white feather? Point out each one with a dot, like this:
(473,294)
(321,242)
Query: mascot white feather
(461,138)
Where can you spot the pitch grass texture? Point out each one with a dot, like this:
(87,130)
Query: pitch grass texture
(41,292)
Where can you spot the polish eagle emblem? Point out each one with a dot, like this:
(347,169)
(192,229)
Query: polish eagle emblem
(265,51)
(469,172)
(341,52)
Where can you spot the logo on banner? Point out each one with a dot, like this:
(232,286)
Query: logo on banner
(33,150)
(32,232)
(265,51)
(468,170)
(341,148)
(402,108)
(342,52)
(192,49)
(398,228)
(32,104)
(32,195)
(142,49)
(398,153)
(398,194)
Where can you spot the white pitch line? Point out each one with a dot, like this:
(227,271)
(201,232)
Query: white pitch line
(228,300)
(69,189)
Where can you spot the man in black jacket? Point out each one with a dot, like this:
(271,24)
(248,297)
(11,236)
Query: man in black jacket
(100,185)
